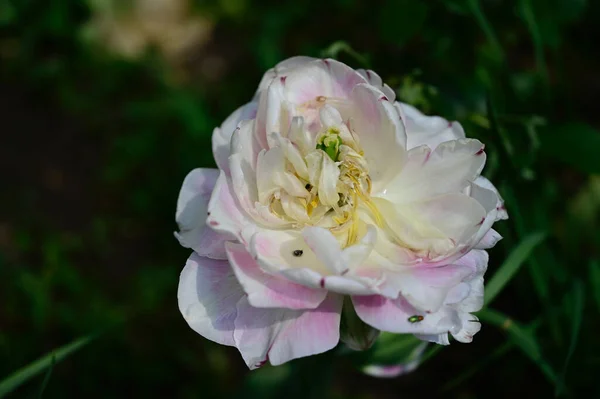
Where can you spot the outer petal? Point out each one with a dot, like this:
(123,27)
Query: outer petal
(380,133)
(191,215)
(268,291)
(489,240)
(208,293)
(280,335)
(450,168)
(282,68)
(224,211)
(375,80)
(427,130)
(221,137)
(485,183)
(393,315)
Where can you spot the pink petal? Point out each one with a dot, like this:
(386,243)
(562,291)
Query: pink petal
(393,315)
(191,215)
(268,291)
(225,213)
(375,80)
(208,294)
(221,137)
(280,335)
(489,240)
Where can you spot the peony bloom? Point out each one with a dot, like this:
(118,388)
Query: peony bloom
(329,191)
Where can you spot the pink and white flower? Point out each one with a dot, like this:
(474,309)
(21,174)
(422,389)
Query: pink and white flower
(327,189)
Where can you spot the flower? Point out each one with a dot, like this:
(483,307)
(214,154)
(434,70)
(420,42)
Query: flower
(329,190)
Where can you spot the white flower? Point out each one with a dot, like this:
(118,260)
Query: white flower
(328,187)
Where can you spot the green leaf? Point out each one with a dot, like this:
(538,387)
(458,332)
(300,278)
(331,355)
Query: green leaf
(573,143)
(24,374)
(575,316)
(512,264)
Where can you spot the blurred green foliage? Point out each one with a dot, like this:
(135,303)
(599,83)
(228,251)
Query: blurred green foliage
(94,147)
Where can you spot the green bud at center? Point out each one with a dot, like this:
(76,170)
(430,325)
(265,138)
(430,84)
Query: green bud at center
(330,143)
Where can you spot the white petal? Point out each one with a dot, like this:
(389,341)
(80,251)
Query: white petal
(450,168)
(380,133)
(427,130)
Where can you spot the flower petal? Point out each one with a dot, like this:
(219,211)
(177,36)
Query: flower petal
(221,137)
(375,80)
(450,168)
(268,291)
(427,130)
(280,335)
(485,183)
(395,315)
(224,212)
(208,294)
(191,214)
(380,133)
(489,240)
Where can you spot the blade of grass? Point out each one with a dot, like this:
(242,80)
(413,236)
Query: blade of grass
(47,376)
(512,264)
(22,375)
(528,16)
(484,24)
(595,281)
(480,365)
(522,338)
(577,317)
(499,352)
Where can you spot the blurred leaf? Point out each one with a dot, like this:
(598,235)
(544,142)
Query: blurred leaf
(512,264)
(574,143)
(24,374)
(575,316)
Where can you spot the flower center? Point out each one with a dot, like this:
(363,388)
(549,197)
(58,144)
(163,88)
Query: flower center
(324,183)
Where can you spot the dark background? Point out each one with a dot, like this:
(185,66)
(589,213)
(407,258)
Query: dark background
(105,106)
